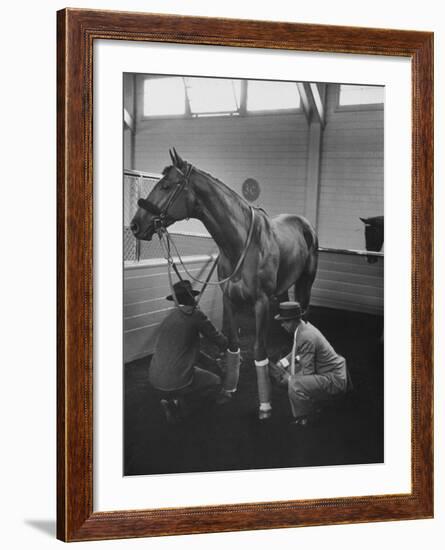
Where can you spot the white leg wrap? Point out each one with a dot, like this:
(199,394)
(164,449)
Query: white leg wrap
(231,374)
(263,381)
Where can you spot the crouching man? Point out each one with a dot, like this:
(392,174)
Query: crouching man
(181,384)
(312,372)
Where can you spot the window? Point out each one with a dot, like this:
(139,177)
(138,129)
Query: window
(203,97)
(360,95)
(265,95)
(164,96)
(209,95)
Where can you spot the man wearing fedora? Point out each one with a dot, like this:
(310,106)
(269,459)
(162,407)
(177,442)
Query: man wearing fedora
(173,370)
(312,372)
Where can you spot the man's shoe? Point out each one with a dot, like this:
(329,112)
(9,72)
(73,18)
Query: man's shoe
(300,421)
(223,397)
(171,411)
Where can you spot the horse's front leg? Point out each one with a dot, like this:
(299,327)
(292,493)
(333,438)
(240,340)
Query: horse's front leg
(261,359)
(230,324)
(233,354)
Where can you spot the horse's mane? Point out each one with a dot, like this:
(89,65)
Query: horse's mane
(213,180)
(225,188)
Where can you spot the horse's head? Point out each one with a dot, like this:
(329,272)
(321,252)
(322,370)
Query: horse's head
(170,200)
(374,231)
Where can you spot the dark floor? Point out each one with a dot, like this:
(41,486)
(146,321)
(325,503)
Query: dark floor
(230,437)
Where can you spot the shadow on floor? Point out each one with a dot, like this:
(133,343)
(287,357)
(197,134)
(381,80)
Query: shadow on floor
(47,526)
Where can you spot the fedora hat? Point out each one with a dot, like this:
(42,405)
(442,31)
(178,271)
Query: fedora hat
(181,289)
(288,311)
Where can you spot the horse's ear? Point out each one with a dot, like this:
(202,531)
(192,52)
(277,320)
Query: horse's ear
(365,221)
(178,160)
(172,156)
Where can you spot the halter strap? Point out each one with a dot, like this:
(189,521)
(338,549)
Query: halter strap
(179,189)
(238,264)
(162,213)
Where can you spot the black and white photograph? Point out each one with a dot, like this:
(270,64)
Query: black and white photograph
(253,274)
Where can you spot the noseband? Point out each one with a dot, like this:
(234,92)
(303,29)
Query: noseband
(161,214)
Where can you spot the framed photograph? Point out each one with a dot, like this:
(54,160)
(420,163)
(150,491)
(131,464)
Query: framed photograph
(245,231)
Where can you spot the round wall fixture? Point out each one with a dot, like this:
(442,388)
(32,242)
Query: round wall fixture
(251,189)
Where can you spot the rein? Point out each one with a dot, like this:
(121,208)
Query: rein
(178,189)
(160,227)
(162,213)
(168,237)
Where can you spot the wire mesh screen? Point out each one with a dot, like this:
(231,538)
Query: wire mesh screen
(136,185)
(187,245)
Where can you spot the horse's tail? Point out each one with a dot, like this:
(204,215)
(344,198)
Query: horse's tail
(311,238)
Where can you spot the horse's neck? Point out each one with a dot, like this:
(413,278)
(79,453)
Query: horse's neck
(224,213)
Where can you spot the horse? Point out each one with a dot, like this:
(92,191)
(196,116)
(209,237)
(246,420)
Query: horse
(259,257)
(374,233)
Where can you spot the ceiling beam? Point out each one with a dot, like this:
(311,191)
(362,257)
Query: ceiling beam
(318,93)
(305,101)
(313,100)
(128,120)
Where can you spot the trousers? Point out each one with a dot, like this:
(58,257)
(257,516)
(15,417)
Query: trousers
(306,392)
(204,385)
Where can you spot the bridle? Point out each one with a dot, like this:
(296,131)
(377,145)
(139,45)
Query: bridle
(160,223)
(162,216)
(165,234)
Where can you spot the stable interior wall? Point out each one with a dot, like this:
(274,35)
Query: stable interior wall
(351,186)
(269,148)
(145,288)
(351,172)
(274,150)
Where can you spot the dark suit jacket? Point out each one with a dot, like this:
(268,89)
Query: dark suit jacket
(177,347)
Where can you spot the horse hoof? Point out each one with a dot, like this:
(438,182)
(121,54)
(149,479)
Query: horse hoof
(264,415)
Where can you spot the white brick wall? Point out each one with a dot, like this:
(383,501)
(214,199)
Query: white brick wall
(270,148)
(351,183)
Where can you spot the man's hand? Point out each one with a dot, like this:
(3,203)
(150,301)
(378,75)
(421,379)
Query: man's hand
(278,374)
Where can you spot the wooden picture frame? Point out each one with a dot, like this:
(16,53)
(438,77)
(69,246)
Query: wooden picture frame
(77,31)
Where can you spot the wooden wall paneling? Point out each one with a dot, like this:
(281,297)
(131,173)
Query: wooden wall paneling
(145,306)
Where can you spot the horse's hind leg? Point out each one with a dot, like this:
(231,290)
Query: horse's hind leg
(303,285)
(261,359)
(303,292)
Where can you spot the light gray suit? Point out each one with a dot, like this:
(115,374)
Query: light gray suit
(320,373)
